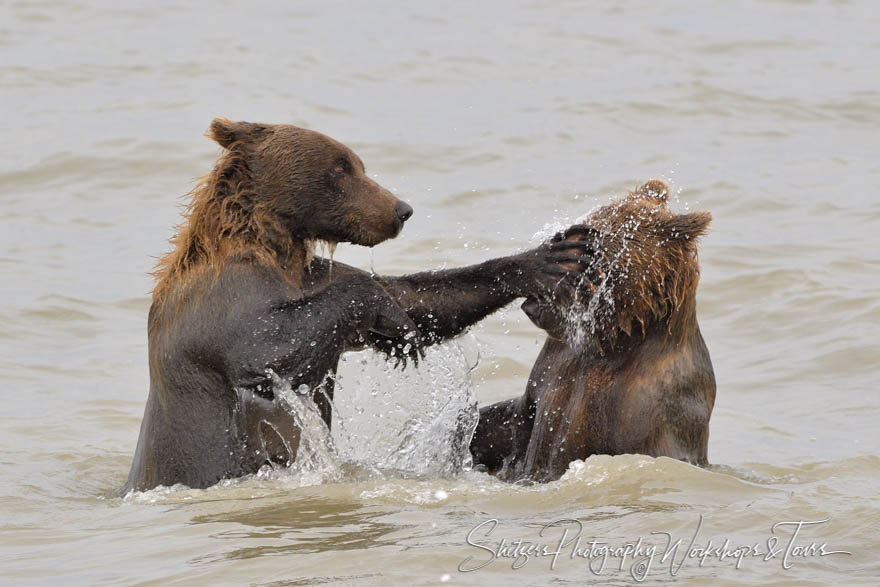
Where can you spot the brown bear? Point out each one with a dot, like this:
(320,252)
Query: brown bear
(241,301)
(624,369)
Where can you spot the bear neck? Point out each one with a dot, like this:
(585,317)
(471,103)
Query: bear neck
(611,345)
(657,294)
(668,332)
(227,219)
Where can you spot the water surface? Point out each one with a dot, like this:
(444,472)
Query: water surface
(492,119)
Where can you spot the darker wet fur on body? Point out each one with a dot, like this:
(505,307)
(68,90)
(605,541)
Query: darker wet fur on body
(624,368)
(241,303)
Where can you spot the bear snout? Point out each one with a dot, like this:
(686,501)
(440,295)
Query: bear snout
(403,211)
(532,308)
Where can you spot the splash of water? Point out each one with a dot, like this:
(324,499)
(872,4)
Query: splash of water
(316,454)
(418,422)
(587,317)
(586,321)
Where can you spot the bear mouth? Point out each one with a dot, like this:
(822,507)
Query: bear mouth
(398,227)
(544,315)
(359,235)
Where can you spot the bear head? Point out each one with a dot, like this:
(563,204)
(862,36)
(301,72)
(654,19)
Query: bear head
(315,186)
(645,271)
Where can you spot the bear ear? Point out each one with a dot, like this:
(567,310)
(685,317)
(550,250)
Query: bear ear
(226,132)
(654,188)
(687,226)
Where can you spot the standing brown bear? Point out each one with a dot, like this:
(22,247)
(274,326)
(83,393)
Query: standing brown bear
(625,370)
(240,301)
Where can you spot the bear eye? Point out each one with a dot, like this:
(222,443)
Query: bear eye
(342,166)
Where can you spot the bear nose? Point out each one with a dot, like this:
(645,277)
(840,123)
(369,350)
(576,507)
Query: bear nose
(403,211)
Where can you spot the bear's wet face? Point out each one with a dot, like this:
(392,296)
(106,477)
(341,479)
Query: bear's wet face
(317,186)
(624,369)
(644,270)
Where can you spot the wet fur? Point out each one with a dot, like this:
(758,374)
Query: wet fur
(641,381)
(240,299)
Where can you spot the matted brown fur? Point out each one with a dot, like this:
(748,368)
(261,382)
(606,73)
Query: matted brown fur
(217,345)
(225,218)
(624,369)
(649,266)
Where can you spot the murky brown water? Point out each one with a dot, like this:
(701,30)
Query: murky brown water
(491,119)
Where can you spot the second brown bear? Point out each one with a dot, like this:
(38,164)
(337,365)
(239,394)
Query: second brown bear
(626,369)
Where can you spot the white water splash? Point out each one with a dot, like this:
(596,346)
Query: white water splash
(316,454)
(416,422)
(386,423)
(583,321)
(587,318)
